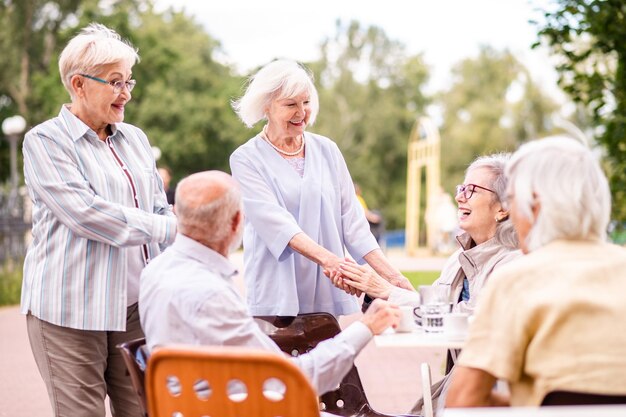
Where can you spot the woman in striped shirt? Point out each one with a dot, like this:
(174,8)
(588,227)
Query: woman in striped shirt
(99,215)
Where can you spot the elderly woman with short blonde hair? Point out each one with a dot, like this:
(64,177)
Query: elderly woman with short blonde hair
(99,216)
(551,320)
(299,200)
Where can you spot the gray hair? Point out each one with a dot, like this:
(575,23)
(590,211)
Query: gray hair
(95,46)
(565,179)
(211,220)
(495,164)
(277,80)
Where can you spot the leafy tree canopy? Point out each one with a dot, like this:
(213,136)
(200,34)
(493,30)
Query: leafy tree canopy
(371,93)
(589,39)
(182,95)
(481,114)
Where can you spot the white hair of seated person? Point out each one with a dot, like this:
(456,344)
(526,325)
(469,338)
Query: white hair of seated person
(277,80)
(496,164)
(95,46)
(565,178)
(209,222)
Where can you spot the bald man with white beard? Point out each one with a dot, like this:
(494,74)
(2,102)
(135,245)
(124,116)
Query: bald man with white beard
(187,295)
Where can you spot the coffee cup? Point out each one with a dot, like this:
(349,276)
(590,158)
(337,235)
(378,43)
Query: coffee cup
(407,323)
(456,324)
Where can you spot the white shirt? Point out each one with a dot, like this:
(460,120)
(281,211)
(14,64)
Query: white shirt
(187,296)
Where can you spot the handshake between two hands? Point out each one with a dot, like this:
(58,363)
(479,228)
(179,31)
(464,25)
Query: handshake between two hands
(336,272)
(355,279)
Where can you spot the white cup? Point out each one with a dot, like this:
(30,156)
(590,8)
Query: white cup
(456,324)
(407,323)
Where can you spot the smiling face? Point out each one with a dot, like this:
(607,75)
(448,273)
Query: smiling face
(96,103)
(288,117)
(477,215)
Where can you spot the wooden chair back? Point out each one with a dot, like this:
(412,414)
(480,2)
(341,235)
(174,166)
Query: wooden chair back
(135,357)
(300,334)
(194,381)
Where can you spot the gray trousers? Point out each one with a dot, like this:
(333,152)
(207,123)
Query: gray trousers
(80,367)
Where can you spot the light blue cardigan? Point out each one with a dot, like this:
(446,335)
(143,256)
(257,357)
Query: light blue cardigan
(278,204)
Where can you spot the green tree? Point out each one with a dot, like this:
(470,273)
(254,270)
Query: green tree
(370,96)
(32,34)
(29,34)
(479,115)
(183,94)
(589,38)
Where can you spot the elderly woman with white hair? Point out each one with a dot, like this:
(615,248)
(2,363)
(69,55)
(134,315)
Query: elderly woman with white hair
(299,200)
(551,320)
(488,242)
(99,216)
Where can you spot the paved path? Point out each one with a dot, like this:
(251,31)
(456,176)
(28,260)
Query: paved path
(390,375)
(22,392)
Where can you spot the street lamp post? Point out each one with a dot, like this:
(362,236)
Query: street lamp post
(12,127)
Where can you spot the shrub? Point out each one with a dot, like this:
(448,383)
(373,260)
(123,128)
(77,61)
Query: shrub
(10,282)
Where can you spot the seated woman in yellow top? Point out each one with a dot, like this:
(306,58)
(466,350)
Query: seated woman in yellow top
(552,320)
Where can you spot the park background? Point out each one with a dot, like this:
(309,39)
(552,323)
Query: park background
(491,74)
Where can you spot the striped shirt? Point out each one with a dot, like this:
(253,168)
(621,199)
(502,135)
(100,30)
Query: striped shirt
(87,228)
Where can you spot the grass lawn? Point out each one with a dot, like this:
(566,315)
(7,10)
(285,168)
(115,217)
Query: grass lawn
(10,283)
(418,278)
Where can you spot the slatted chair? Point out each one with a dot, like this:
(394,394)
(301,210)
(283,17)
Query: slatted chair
(194,381)
(580,398)
(298,335)
(135,356)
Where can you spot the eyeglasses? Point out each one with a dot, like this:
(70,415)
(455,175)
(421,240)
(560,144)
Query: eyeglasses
(468,190)
(117,85)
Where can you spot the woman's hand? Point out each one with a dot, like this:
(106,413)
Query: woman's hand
(402,282)
(330,265)
(339,282)
(365,279)
(329,262)
(377,260)
(333,272)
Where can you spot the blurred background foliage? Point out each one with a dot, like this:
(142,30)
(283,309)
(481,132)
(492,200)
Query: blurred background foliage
(371,90)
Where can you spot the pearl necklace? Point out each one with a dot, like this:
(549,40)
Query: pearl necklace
(300,149)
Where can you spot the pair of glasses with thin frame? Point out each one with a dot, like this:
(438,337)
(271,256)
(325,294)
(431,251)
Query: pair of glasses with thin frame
(467,190)
(117,85)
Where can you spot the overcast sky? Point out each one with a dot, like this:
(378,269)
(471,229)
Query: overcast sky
(253,32)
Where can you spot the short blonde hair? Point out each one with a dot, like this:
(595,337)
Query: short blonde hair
(95,46)
(564,177)
(277,80)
